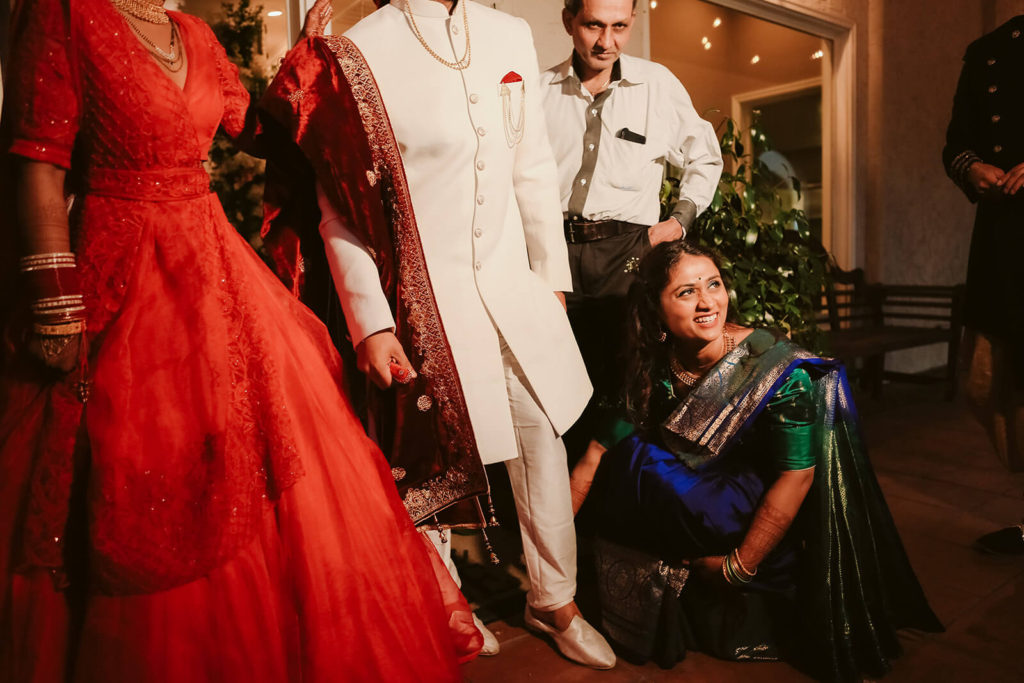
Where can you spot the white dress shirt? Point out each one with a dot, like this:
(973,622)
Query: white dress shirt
(484,193)
(646,119)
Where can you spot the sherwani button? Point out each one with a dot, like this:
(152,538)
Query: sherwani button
(993,88)
(479,199)
(479,265)
(996,118)
(477,232)
(997,149)
(991,61)
(481,131)
(474,98)
(480,165)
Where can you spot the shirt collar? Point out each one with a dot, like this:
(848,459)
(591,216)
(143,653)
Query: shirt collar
(622,73)
(424,8)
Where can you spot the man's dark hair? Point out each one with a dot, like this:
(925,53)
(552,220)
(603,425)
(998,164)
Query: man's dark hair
(574,6)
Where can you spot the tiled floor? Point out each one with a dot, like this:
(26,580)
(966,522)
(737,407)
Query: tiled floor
(945,488)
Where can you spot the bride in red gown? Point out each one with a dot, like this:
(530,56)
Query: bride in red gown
(194,500)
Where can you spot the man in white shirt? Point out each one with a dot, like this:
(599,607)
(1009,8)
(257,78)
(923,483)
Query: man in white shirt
(459,82)
(613,120)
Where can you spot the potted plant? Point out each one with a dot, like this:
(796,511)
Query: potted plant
(776,267)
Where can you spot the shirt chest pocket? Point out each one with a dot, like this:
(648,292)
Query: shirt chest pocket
(629,145)
(626,156)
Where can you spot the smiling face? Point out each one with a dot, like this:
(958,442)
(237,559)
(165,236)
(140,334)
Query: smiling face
(695,301)
(600,31)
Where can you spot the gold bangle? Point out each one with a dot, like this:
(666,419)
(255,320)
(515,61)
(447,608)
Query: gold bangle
(742,567)
(62,257)
(67,329)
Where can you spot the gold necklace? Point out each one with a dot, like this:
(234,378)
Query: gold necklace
(150,11)
(459,65)
(173,60)
(690,379)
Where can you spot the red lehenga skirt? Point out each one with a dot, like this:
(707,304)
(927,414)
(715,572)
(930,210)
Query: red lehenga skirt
(216,512)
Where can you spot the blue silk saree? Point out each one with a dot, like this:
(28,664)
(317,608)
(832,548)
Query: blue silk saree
(831,595)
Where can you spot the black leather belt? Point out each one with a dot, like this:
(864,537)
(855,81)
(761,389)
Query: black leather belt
(588,231)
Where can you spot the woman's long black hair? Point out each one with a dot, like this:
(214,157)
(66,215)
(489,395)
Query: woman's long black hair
(647,353)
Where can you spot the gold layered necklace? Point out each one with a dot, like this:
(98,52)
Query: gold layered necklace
(458,65)
(150,11)
(690,379)
(172,59)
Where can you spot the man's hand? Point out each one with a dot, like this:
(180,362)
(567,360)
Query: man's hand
(1012,180)
(561,299)
(375,354)
(665,231)
(317,19)
(985,178)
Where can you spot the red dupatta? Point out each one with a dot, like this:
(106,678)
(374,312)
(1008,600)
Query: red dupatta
(324,119)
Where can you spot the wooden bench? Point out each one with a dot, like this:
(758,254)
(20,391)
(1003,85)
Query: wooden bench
(867,321)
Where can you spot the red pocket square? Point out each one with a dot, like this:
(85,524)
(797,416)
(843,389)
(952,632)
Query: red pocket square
(512,77)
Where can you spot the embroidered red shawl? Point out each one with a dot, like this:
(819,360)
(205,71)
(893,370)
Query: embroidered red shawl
(323,118)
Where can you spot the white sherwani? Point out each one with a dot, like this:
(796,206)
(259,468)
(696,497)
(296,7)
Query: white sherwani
(484,190)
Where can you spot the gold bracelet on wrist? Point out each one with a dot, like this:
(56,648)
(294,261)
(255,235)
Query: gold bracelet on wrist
(52,260)
(65,329)
(740,568)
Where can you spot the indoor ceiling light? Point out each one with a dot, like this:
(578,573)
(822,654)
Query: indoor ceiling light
(274,13)
(707,45)
(704,40)
(755,59)
(654,4)
(817,54)
(717,22)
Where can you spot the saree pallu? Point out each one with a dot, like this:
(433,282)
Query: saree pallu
(831,595)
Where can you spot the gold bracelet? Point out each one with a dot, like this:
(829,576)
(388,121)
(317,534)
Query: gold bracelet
(55,258)
(742,567)
(66,329)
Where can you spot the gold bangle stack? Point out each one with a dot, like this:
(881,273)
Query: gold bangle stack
(56,313)
(64,259)
(734,571)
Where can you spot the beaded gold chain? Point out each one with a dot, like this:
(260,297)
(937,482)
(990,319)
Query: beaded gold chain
(690,379)
(173,60)
(459,65)
(151,11)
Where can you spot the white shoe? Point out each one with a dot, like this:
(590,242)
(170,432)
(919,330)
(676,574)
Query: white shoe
(491,646)
(580,642)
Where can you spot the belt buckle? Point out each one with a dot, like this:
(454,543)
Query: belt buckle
(572,233)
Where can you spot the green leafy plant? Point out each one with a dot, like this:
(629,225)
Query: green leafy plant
(776,267)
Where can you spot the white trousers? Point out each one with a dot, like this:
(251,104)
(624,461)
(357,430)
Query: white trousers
(540,485)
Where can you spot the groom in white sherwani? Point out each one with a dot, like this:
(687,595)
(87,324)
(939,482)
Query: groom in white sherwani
(460,82)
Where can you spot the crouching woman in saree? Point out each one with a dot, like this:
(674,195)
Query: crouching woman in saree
(746,483)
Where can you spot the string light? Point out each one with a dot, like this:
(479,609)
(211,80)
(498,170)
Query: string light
(755,59)
(817,54)
(707,45)
(654,4)
(717,22)
(704,40)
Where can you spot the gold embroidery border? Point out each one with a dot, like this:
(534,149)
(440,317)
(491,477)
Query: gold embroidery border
(466,478)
